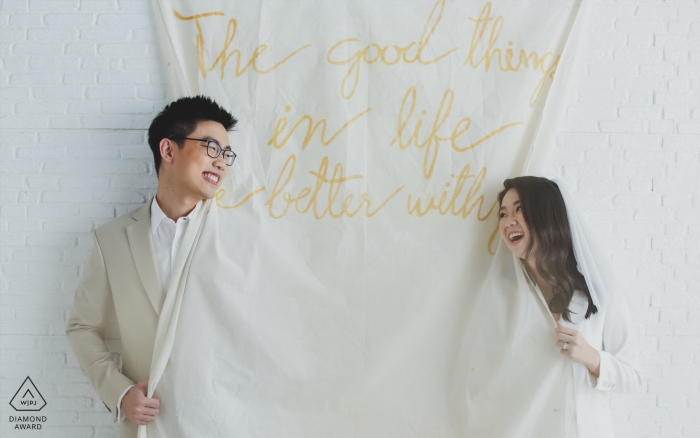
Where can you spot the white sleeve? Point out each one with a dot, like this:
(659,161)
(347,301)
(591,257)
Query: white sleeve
(620,370)
(119,403)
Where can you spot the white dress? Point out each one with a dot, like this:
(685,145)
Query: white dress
(610,331)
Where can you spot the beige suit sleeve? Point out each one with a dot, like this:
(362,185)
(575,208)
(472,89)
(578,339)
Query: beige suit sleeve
(86,331)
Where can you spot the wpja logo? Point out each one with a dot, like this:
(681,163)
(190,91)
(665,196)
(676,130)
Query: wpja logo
(28,398)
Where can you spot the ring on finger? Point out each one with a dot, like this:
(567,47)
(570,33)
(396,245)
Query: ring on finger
(566,346)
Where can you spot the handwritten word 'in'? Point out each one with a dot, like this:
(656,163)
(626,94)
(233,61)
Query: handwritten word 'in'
(400,53)
(432,143)
(310,130)
(225,55)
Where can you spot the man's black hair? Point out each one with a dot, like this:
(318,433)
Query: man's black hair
(179,119)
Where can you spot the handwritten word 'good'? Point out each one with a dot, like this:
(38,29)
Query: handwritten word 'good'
(505,60)
(400,53)
(310,130)
(225,55)
(308,199)
(432,143)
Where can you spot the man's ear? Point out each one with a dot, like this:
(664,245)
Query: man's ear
(166,150)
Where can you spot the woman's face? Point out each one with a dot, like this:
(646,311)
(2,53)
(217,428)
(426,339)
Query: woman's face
(512,226)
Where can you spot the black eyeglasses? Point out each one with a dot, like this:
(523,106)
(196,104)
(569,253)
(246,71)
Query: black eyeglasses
(214,149)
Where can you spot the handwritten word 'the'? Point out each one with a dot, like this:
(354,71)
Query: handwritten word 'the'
(432,143)
(225,55)
(401,53)
(505,60)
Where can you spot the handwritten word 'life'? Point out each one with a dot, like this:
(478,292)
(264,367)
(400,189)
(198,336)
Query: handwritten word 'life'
(505,60)
(400,53)
(432,143)
(225,55)
(310,130)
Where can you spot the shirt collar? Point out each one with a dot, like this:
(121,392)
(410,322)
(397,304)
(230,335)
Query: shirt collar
(157,215)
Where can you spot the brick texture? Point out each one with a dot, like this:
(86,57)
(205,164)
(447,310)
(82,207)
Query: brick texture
(641,173)
(81,81)
(79,85)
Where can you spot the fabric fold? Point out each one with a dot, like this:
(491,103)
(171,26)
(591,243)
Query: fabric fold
(170,313)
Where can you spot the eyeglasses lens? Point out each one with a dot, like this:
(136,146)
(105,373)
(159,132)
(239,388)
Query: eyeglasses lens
(213,149)
(229,157)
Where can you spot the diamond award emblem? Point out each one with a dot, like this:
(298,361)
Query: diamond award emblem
(28,398)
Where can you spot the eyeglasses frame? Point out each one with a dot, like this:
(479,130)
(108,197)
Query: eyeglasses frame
(219,148)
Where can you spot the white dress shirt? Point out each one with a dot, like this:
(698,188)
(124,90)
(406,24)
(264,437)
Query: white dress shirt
(166,235)
(611,332)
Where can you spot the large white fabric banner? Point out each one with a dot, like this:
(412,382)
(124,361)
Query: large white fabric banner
(347,281)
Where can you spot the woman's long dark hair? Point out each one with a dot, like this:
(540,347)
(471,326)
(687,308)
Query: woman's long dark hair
(545,216)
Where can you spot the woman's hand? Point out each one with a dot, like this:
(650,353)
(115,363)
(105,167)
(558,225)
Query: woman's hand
(577,349)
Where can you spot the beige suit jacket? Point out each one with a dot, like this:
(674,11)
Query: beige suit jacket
(120,283)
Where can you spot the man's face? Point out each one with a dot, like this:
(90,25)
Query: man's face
(196,173)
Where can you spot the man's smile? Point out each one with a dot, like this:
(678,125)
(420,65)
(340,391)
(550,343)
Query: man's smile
(211,177)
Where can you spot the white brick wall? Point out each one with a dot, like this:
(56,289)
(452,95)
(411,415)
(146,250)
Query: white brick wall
(629,144)
(81,82)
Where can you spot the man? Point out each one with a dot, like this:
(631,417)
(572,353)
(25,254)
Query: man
(128,272)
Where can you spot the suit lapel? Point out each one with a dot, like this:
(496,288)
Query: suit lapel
(141,244)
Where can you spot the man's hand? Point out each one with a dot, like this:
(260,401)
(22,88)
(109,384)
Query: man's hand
(138,408)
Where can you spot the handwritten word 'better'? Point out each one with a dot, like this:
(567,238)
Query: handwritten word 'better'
(343,207)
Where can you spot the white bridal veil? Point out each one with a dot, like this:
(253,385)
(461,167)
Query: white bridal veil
(591,259)
(511,330)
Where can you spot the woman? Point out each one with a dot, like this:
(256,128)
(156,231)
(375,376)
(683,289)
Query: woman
(540,226)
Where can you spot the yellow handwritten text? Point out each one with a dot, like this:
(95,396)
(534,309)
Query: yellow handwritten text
(280,200)
(432,142)
(401,53)
(448,203)
(225,55)
(505,60)
(310,130)
(222,192)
